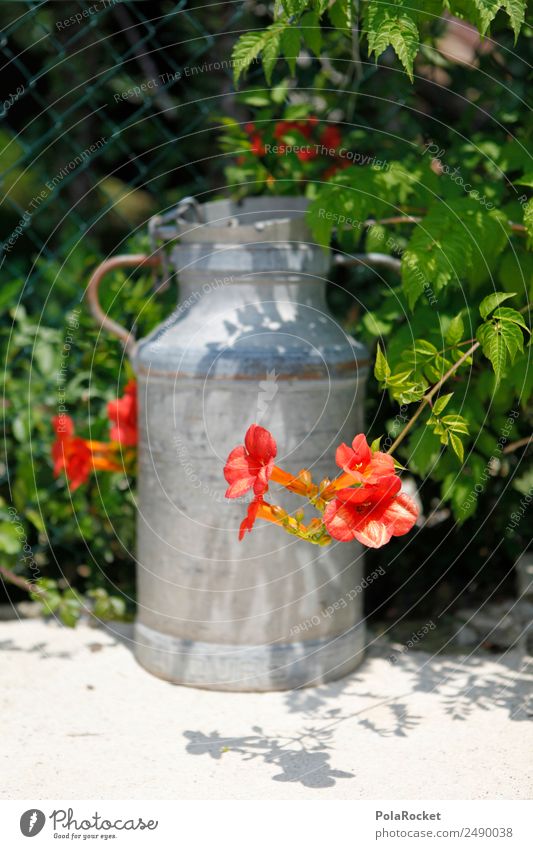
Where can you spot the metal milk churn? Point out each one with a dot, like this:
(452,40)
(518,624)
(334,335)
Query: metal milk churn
(251,340)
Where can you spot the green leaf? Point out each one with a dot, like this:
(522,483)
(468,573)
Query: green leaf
(270,56)
(455,331)
(70,609)
(441,403)
(516,9)
(525,180)
(508,314)
(310,27)
(457,446)
(404,388)
(290,46)
(455,423)
(10,541)
(454,240)
(21,428)
(424,348)
(35,518)
(513,338)
(490,303)
(294,7)
(479,12)
(375,444)
(251,45)
(381,369)
(47,595)
(341,14)
(494,347)
(522,377)
(45,357)
(392,24)
(528,218)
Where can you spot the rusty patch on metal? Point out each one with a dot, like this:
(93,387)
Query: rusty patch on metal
(303,374)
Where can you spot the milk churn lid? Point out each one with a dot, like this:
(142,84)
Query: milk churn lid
(254,219)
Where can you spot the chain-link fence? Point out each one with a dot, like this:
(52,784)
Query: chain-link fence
(106,116)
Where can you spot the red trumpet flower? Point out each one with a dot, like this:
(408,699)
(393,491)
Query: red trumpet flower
(250,466)
(360,464)
(364,503)
(372,513)
(122,415)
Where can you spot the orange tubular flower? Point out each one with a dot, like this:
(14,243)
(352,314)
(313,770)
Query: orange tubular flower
(122,415)
(372,513)
(259,509)
(70,452)
(360,464)
(106,463)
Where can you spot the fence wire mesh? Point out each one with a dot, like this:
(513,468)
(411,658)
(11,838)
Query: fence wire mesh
(106,116)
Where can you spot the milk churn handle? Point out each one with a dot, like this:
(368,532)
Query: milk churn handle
(124,261)
(166,227)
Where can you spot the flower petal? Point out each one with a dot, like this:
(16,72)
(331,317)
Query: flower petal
(378,493)
(400,515)
(381,464)
(339,521)
(372,533)
(236,465)
(343,456)
(260,443)
(262,478)
(249,520)
(361,449)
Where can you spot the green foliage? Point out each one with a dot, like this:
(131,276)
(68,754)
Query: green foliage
(452,255)
(68,544)
(392,24)
(398,24)
(69,606)
(454,242)
(501,338)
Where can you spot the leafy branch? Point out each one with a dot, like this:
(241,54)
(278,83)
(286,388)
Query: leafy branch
(428,397)
(396,24)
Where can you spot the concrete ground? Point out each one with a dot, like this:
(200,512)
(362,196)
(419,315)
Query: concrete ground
(81,719)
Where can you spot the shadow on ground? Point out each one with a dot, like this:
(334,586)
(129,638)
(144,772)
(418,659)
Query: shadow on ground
(306,763)
(481,681)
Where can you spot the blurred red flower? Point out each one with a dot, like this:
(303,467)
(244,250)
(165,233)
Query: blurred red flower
(70,452)
(331,137)
(122,415)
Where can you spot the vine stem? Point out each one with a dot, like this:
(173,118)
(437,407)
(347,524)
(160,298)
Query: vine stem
(416,219)
(18,581)
(520,443)
(429,396)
